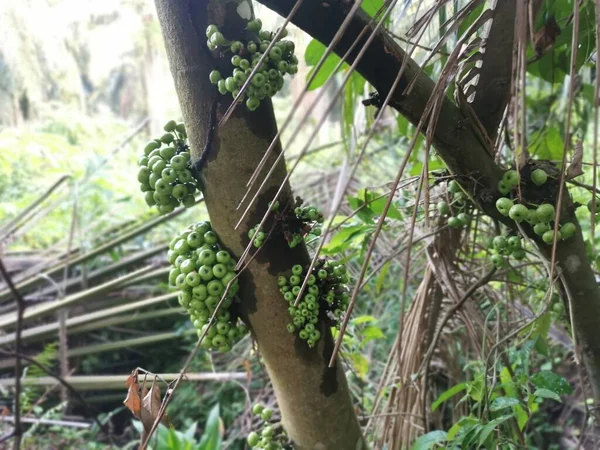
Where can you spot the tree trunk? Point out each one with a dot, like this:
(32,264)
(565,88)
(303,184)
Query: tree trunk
(463,152)
(315,403)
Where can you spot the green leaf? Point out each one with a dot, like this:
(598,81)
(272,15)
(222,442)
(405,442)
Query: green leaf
(547,393)
(522,417)
(503,402)
(360,363)
(211,439)
(448,394)
(491,426)
(381,277)
(547,144)
(371,6)
(363,319)
(191,431)
(546,379)
(314,51)
(341,240)
(370,333)
(427,441)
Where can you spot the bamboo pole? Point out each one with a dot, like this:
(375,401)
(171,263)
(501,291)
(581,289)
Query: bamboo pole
(9,320)
(117,382)
(86,319)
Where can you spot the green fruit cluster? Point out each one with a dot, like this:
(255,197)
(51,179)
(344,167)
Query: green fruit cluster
(201,271)
(269,437)
(458,218)
(326,296)
(268,79)
(501,247)
(295,225)
(165,174)
(540,218)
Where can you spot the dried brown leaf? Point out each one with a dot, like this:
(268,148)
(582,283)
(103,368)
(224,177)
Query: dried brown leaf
(544,38)
(133,402)
(576,167)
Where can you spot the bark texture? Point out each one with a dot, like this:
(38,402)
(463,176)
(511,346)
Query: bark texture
(315,402)
(465,155)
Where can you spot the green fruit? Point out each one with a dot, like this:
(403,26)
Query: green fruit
(253,439)
(167,138)
(266,415)
(503,205)
(169,175)
(514,242)
(167,153)
(210,237)
(149,198)
(222,87)
(545,212)
(252,47)
(151,146)
(235,60)
(217,39)
(498,260)
(230,84)
(188,201)
(454,187)
(210,30)
(443,208)
(567,230)
(252,103)
(454,222)
(178,162)
(143,175)
(511,177)
(297,269)
(258,80)
(254,25)
(540,228)
(594,202)
(214,76)
(170,126)
(236,47)
(548,236)
(518,213)
(179,191)
(257,409)
(503,187)
(464,218)
(539,177)
(519,254)
(500,242)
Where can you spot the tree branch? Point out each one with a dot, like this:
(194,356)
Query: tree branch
(493,87)
(463,153)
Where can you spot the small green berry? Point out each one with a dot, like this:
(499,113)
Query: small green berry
(253,439)
(511,177)
(504,205)
(214,76)
(210,30)
(454,222)
(252,103)
(548,237)
(567,230)
(454,187)
(500,242)
(503,187)
(170,126)
(545,212)
(254,25)
(267,414)
(257,409)
(540,228)
(539,177)
(518,213)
